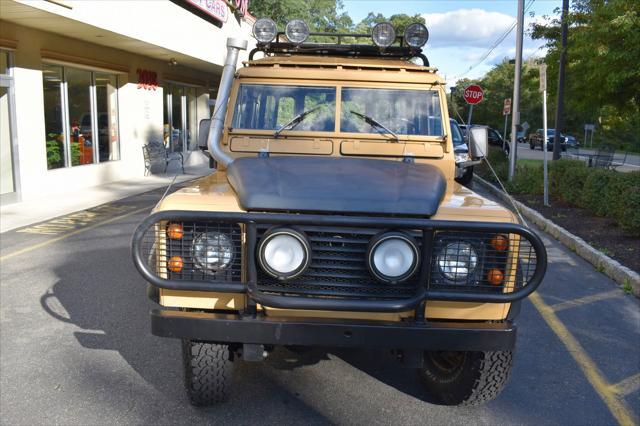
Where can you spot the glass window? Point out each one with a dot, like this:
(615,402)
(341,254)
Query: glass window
(80,120)
(265,107)
(54,130)
(406,112)
(90,103)
(107,107)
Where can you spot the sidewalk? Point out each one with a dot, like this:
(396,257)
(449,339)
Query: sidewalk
(25,213)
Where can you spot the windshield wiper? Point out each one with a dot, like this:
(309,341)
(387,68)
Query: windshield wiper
(291,124)
(373,122)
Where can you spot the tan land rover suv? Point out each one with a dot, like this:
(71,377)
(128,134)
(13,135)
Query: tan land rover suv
(333,219)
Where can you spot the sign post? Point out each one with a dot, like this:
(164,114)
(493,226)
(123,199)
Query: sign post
(589,128)
(506,110)
(543,89)
(473,94)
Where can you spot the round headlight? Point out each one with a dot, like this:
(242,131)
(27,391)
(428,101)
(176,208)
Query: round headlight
(212,251)
(416,35)
(457,260)
(264,30)
(297,31)
(284,253)
(393,257)
(383,34)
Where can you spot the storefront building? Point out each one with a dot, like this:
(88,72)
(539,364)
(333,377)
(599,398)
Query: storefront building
(85,84)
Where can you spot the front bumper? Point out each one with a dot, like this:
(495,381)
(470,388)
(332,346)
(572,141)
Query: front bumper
(259,329)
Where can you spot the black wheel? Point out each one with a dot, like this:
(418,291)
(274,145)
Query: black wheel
(532,146)
(208,370)
(466,177)
(466,378)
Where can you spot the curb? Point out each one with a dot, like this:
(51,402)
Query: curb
(603,263)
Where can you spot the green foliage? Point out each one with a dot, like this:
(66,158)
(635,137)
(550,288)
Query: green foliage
(54,152)
(604,193)
(498,86)
(602,74)
(321,15)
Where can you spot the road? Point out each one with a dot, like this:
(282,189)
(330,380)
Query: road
(631,162)
(76,348)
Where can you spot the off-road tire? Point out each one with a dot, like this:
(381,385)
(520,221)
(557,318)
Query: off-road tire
(479,377)
(532,146)
(208,370)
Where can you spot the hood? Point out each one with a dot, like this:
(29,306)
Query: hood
(336,185)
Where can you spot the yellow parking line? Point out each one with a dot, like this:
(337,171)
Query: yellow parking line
(618,408)
(627,386)
(70,234)
(587,299)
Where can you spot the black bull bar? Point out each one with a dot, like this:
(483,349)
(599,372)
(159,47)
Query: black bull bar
(423,292)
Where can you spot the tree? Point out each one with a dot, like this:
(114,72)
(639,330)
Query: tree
(320,15)
(603,77)
(498,86)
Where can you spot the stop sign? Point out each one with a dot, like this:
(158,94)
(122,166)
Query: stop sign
(473,94)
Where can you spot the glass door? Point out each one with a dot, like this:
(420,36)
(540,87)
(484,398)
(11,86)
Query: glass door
(180,118)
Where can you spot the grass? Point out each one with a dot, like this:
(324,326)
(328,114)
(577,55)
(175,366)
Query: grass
(626,287)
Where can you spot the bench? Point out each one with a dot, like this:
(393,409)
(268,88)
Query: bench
(156,153)
(603,157)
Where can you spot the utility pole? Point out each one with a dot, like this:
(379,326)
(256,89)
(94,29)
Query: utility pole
(543,89)
(515,118)
(561,72)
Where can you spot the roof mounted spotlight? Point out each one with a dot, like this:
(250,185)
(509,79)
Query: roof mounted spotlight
(416,35)
(264,30)
(383,34)
(297,31)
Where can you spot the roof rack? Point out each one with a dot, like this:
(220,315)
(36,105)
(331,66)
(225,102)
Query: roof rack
(340,48)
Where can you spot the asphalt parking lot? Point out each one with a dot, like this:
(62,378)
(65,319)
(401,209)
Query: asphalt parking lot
(76,347)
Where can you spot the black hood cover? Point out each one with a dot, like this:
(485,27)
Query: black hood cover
(336,185)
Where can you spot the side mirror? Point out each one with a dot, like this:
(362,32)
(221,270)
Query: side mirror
(479,142)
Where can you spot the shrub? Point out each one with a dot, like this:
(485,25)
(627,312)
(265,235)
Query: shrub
(605,193)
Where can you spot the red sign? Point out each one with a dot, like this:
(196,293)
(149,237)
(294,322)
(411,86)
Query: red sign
(147,80)
(242,6)
(473,94)
(216,8)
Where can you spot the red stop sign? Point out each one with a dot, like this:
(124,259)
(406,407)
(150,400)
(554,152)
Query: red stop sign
(473,94)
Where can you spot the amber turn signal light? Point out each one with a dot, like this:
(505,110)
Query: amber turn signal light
(500,242)
(175,231)
(175,264)
(495,276)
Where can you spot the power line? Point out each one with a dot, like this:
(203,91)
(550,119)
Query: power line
(498,41)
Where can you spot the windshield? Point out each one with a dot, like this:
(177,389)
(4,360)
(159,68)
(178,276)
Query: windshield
(405,112)
(456,134)
(268,107)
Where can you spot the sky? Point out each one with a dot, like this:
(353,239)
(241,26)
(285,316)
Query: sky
(462,32)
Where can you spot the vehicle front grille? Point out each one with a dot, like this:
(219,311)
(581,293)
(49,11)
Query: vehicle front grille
(515,262)
(161,249)
(338,268)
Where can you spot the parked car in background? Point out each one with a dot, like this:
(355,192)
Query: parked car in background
(571,141)
(496,139)
(536,140)
(464,163)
